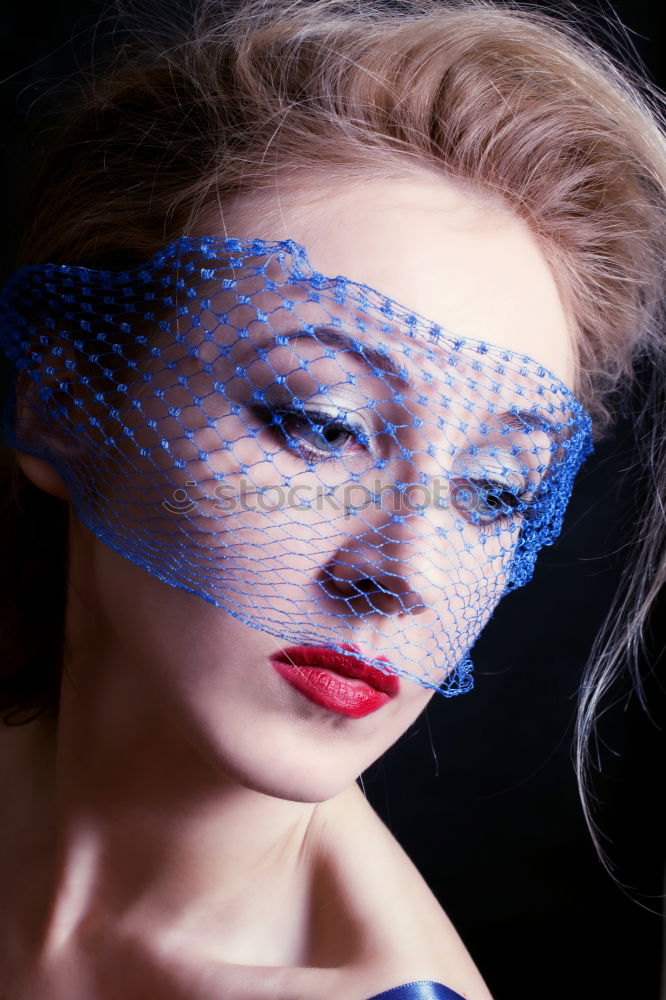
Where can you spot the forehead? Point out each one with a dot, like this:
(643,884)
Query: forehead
(469,265)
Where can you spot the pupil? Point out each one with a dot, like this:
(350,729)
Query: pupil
(332,434)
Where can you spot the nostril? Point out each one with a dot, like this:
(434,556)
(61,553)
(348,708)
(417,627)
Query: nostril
(388,595)
(335,581)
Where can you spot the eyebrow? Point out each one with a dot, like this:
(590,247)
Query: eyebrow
(527,420)
(374,359)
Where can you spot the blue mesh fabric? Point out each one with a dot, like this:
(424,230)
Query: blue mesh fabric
(301,451)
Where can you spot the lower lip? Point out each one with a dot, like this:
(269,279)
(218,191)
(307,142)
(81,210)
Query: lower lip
(346,695)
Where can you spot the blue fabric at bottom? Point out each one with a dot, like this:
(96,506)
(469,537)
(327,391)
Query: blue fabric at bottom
(421,990)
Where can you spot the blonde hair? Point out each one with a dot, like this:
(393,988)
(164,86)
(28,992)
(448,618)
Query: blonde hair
(513,103)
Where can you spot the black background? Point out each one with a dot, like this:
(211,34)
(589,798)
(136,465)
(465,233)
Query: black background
(481,790)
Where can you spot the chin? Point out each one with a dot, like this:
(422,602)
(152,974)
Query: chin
(304,786)
(291,770)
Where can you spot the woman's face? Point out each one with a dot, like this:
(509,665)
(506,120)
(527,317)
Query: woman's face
(471,268)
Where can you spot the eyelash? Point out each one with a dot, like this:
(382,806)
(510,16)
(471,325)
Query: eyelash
(514,501)
(315,423)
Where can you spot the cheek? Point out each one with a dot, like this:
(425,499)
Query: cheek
(154,627)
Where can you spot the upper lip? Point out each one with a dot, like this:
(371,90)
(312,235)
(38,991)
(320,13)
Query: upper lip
(340,663)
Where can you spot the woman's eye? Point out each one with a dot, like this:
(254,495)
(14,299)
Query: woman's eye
(324,435)
(487,500)
(317,433)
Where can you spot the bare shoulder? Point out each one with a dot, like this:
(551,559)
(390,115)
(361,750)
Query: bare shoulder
(395,929)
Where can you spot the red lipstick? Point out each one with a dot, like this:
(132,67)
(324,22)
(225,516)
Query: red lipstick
(340,683)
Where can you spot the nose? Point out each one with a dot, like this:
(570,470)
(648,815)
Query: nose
(387,567)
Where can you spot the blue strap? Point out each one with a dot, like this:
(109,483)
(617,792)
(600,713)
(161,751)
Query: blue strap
(421,990)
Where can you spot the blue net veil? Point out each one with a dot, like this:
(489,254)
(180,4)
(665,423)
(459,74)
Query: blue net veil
(301,451)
